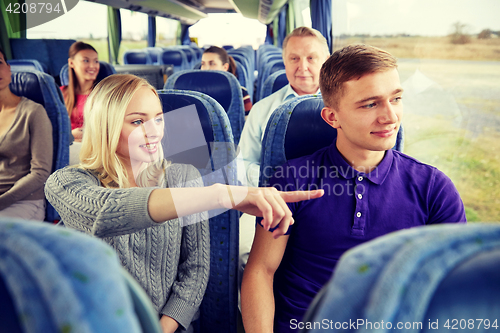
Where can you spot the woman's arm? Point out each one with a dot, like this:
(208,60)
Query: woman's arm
(40,145)
(269,203)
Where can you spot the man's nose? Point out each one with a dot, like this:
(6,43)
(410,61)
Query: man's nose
(388,113)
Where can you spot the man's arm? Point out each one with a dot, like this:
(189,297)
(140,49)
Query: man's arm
(257,298)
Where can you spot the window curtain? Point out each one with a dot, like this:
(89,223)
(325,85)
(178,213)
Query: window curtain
(151,31)
(290,18)
(4,36)
(282,21)
(15,24)
(114,34)
(321,17)
(269,35)
(183,34)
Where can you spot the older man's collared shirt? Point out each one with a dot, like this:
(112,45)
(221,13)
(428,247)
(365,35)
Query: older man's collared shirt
(400,193)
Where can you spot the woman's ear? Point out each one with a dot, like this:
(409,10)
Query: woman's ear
(70,63)
(330,116)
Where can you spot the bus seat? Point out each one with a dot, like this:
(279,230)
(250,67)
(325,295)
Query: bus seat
(434,275)
(62,280)
(105,69)
(41,88)
(190,54)
(243,60)
(137,57)
(269,68)
(220,85)
(22,64)
(227,47)
(242,76)
(274,82)
(174,57)
(218,310)
(52,53)
(154,54)
(296,129)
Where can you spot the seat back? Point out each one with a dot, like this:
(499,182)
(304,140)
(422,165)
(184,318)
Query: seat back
(274,82)
(61,280)
(105,69)
(218,310)
(30,64)
(242,76)
(297,129)
(137,57)
(41,88)
(429,275)
(220,85)
(268,68)
(51,53)
(154,53)
(174,57)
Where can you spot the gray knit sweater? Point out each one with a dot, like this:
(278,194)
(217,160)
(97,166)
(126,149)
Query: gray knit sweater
(170,260)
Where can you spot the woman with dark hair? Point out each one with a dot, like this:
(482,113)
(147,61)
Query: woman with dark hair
(83,67)
(216,58)
(25,152)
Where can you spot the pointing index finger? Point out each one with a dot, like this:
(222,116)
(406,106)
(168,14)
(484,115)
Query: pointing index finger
(296,196)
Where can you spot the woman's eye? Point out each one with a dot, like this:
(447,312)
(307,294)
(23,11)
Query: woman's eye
(159,120)
(137,122)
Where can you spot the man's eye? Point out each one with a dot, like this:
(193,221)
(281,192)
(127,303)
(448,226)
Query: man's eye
(369,106)
(397,99)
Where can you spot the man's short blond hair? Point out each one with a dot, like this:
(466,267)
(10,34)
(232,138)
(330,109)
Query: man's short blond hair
(307,32)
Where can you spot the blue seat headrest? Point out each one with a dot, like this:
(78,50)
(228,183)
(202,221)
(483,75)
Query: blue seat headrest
(173,57)
(196,156)
(280,82)
(208,82)
(26,84)
(319,133)
(137,57)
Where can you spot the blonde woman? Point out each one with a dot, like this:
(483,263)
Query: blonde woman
(102,197)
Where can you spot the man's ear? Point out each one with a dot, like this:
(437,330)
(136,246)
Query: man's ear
(226,66)
(330,116)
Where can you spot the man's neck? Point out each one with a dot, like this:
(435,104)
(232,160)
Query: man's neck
(361,160)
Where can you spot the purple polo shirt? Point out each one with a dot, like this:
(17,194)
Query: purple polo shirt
(357,207)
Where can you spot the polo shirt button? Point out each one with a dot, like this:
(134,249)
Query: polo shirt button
(360,196)
(360,178)
(358,214)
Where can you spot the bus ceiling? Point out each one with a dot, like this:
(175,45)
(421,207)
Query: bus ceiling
(190,11)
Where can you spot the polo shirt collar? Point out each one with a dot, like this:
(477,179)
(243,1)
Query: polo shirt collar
(345,171)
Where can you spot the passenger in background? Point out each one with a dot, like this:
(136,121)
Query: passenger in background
(216,58)
(123,191)
(304,51)
(25,152)
(83,67)
(370,190)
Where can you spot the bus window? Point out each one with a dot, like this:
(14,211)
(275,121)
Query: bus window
(449,63)
(228,29)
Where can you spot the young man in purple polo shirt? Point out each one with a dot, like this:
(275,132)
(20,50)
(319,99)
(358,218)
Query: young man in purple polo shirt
(370,190)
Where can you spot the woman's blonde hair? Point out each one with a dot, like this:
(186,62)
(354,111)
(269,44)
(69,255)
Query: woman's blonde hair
(104,113)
